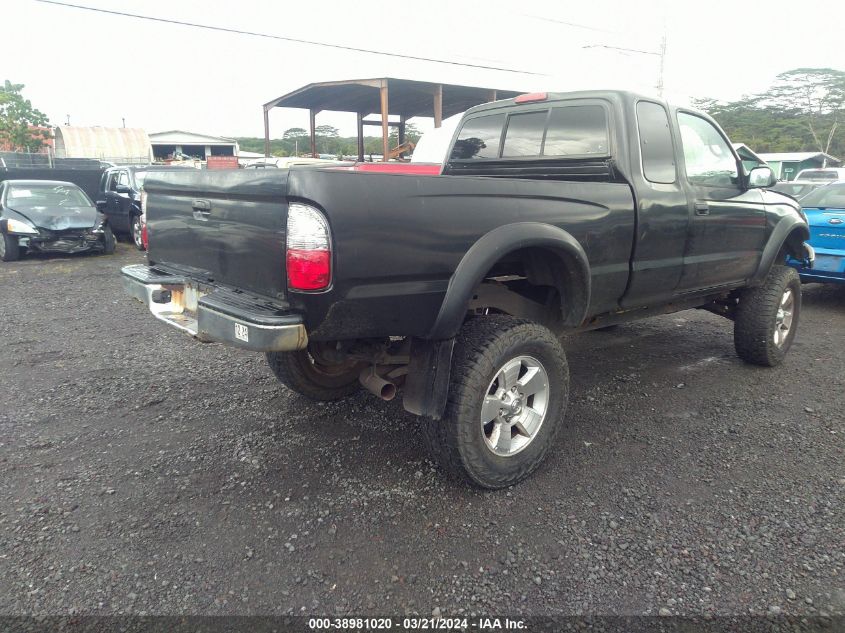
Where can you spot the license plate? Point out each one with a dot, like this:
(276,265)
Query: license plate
(242,332)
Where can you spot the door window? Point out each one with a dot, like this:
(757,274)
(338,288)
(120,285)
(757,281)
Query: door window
(708,159)
(123,178)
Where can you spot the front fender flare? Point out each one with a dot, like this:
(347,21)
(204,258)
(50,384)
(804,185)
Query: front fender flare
(783,230)
(499,242)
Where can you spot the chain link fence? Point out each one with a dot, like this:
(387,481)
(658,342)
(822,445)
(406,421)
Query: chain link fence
(43,160)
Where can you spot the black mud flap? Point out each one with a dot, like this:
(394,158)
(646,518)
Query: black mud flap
(427,385)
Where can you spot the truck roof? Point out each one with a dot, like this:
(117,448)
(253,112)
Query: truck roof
(616,95)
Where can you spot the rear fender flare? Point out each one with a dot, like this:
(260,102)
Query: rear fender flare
(495,245)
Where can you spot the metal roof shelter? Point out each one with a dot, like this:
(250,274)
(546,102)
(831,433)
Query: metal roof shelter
(384,96)
(116,144)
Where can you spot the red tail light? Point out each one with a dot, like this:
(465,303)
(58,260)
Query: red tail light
(309,255)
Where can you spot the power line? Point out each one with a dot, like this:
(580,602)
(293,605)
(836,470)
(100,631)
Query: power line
(285,38)
(614,48)
(572,24)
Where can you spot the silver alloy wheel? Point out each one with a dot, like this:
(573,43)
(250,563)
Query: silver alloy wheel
(136,232)
(515,406)
(783,318)
(2,246)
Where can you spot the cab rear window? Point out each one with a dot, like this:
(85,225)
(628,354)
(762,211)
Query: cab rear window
(572,130)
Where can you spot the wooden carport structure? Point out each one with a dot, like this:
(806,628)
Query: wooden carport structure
(384,96)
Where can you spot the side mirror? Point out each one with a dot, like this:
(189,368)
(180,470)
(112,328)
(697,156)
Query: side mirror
(761,177)
(122,189)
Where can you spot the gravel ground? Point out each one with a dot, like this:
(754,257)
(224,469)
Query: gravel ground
(143,472)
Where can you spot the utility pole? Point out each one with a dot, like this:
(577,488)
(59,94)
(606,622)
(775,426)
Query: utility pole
(68,120)
(662,64)
(124,121)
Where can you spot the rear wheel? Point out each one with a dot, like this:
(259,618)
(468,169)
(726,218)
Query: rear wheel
(10,250)
(302,373)
(767,318)
(135,230)
(507,399)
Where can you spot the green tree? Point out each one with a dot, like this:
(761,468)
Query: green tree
(294,133)
(816,95)
(802,111)
(18,119)
(411,134)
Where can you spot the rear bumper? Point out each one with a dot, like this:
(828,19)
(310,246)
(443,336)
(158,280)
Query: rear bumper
(213,314)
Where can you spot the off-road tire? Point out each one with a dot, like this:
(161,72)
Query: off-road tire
(298,372)
(756,315)
(10,250)
(456,441)
(135,232)
(109,241)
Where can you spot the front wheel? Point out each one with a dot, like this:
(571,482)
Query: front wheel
(767,318)
(109,242)
(10,250)
(300,372)
(508,395)
(135,229)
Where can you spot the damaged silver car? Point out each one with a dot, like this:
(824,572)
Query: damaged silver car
(50,216)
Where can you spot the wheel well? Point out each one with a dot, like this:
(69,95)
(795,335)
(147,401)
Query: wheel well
(538,283)
(794,243)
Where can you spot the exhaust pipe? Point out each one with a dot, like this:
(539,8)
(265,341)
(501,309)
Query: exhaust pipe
(377,385)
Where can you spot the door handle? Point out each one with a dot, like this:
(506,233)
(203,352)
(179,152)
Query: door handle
(202,209)
(701,208)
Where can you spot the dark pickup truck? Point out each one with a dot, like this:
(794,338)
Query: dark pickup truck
(553,213)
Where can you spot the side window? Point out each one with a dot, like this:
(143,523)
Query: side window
(112,182)
(577,130)
(707,157)
(525,134)
(123,178)
(479,138)
(656,149)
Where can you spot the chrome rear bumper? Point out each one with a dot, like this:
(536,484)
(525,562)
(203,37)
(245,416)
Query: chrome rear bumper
(181,303)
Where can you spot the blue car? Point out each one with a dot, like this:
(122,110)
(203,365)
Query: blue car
(825,210)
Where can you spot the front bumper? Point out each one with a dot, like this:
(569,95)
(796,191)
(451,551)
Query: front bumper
(827,266)
(75,241)
(215,314)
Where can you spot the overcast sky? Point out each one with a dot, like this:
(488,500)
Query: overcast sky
(98,68)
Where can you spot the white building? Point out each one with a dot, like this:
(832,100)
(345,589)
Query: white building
(201,146)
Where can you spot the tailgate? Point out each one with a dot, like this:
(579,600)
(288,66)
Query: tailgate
(226,227)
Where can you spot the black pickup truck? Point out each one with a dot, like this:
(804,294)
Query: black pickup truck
(553,213)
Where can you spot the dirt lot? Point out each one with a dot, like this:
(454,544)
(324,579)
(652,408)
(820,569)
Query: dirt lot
(141,471)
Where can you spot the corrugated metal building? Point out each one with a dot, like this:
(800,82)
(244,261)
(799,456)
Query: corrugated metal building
(200,146)
(113,144)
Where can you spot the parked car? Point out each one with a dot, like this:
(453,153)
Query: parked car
(50,216)
(553,213)
(798,188)
(119,198)
(826,174)
(825,211)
